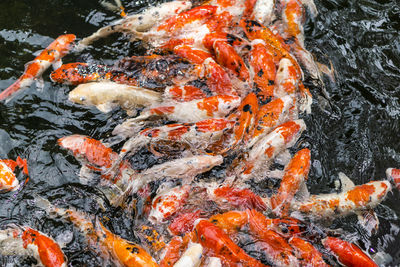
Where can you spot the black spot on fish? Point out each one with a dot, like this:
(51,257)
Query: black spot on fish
(271,82)
(247,108)
(260,73)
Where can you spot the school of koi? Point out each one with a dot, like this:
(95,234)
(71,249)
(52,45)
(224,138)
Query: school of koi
(222,81)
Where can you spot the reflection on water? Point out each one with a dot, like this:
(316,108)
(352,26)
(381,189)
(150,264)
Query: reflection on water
(357,132)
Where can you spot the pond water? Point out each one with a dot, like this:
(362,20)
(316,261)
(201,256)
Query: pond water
(357,132)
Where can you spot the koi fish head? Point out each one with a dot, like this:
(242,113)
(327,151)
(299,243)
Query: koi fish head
(8,180)
(72,73)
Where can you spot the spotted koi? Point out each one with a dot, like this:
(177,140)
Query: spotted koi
(53,53)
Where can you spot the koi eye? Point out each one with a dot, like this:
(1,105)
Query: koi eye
(82,98)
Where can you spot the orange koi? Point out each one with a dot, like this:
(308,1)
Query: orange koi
(231,221)
(218,80)
(220,245)
(263,66)
(255,30)
(124,252)
(178,21)
(270,115)
(277,247)
(307,253)
(247,115)
(237,198)
(226,54)
(296,173)
(22,240)
(54,52)
(348,253)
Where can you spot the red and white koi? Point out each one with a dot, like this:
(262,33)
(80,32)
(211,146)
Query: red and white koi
(167,203)
(357,198)
(268,147)
(394,175)
(186,112)
(97,157)
(25,241)
(8,180)
(53,53)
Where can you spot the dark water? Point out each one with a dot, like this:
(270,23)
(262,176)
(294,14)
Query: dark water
(357,132)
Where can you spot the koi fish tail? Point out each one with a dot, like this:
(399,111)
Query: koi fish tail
(12,89)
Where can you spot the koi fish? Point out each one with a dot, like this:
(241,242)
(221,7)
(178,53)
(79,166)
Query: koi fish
(191,257)
(184,168)
(168,203)
(348,253)
(308,254)
(53,53)
(236,198)
(8,180)
(268,147)
(108,95)
(357,198)
(122,252)
(394,175)
(214,240)
(138,23)
(196,135)
(25,241)
(296,173)
(172,252)
(186,112)
(184,222)
(97,157)
(271,115)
